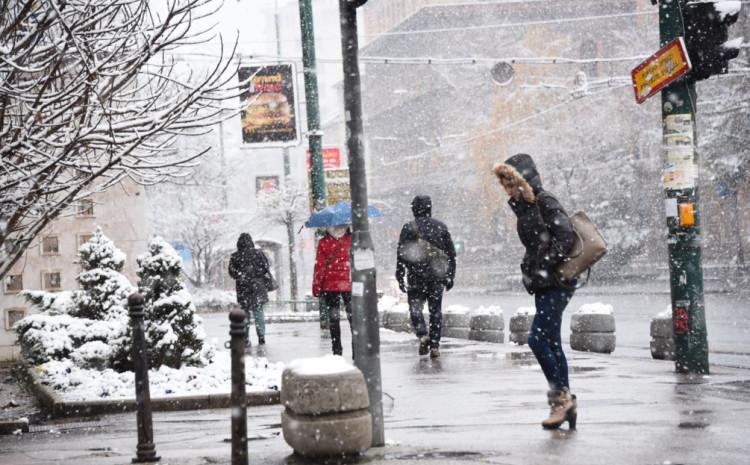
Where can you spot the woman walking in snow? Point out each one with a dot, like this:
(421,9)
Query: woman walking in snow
(332,279)
(548,236)
(248,266)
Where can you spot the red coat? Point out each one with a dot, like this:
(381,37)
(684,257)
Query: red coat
(332,271)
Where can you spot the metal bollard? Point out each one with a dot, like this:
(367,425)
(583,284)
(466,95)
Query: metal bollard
(146,451)
(239,399)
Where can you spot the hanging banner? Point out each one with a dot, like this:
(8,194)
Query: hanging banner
(270,115)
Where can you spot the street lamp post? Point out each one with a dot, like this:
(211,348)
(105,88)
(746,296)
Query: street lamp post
(364,293)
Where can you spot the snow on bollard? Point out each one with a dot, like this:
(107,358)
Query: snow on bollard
(326,407)
(487,325)
(456,322)
(520,325)
(662,335)
(593,328)
(398,319)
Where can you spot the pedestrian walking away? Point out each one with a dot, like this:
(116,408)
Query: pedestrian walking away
(332,280)
(547,234)
(248,266)
(425,266)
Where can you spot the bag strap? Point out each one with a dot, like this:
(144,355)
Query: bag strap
(552,240)
(419,236)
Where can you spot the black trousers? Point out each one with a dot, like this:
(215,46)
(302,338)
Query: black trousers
(332,302)
(432,293)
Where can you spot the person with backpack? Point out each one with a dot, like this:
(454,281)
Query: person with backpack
(548,236)
(332,280)
(426,257)
(248,266)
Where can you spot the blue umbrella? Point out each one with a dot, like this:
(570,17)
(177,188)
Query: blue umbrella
(337,214)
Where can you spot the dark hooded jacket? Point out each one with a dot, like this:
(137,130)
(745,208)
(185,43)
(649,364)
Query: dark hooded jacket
(248,267)
(543,226)
(422,275)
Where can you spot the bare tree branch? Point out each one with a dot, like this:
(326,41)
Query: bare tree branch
(88,97)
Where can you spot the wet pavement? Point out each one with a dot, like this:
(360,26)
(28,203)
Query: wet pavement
(478,403)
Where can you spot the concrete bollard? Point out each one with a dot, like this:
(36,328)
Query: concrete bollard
(326,408)
(593,328)
(520,325)
(238,398)
(487,324)
(662,335)
(399,319)
(456,322)
(146,450)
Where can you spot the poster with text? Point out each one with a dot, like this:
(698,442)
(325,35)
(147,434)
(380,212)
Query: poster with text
(270,114)
(266,184)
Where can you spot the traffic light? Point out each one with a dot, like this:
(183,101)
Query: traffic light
(706,34)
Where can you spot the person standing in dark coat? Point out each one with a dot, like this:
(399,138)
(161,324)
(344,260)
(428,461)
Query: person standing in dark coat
(332,280)
(248,266)
(426,256)
(547,234)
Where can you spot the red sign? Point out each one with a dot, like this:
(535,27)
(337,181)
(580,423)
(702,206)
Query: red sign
(331,159)
(681,318)
(663,67)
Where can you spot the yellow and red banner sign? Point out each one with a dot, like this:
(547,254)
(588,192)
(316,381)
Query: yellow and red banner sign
(663,67)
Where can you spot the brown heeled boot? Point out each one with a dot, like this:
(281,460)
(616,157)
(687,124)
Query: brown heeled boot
(563,407)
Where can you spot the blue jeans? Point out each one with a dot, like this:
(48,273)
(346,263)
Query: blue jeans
(544,336)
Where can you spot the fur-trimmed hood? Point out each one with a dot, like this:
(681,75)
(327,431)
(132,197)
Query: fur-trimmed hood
(520,169)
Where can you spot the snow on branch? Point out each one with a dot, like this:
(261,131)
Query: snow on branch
(89,96)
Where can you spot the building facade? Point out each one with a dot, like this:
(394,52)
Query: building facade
(50,263)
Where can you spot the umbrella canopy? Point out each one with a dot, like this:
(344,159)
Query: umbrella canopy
(337,214)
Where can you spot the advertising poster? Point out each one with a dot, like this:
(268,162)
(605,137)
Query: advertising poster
(266,184)
(331,158)
(680,171)
(270,115)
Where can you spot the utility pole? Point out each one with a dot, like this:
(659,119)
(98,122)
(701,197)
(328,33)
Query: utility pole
(682,199)
(314,134)
(293,290)
(365,323)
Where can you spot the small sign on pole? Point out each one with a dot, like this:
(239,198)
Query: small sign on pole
(670,63)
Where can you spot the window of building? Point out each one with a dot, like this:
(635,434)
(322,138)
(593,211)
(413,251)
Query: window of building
(84,238)
(85,207)
(13,316)
(13,283)
(50,245)
(52,280)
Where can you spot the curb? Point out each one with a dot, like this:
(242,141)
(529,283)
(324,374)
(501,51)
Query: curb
(56,407)
(10,427)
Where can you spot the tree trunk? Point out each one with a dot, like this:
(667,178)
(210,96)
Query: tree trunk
(292,260)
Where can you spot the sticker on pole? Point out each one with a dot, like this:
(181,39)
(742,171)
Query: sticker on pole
(667,65)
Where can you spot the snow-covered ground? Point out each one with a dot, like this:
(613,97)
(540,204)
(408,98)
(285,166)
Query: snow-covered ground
(72,383)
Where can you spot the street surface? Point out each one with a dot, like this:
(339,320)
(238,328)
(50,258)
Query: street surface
(478,403)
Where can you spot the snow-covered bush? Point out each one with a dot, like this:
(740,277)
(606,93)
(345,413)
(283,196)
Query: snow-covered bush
(104,289)
(174,332)
(76,324)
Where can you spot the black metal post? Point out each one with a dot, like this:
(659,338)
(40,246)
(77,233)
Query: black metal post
(146,451)
(238,398)
(366,330)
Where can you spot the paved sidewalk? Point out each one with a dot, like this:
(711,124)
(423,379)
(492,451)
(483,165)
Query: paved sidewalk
(478,403)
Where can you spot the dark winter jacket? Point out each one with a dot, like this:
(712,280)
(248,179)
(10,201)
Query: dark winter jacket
(543,226)
(332,271)
(419,274)
(248,266)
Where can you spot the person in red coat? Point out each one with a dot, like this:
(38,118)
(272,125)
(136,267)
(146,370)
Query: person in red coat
(332,280)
